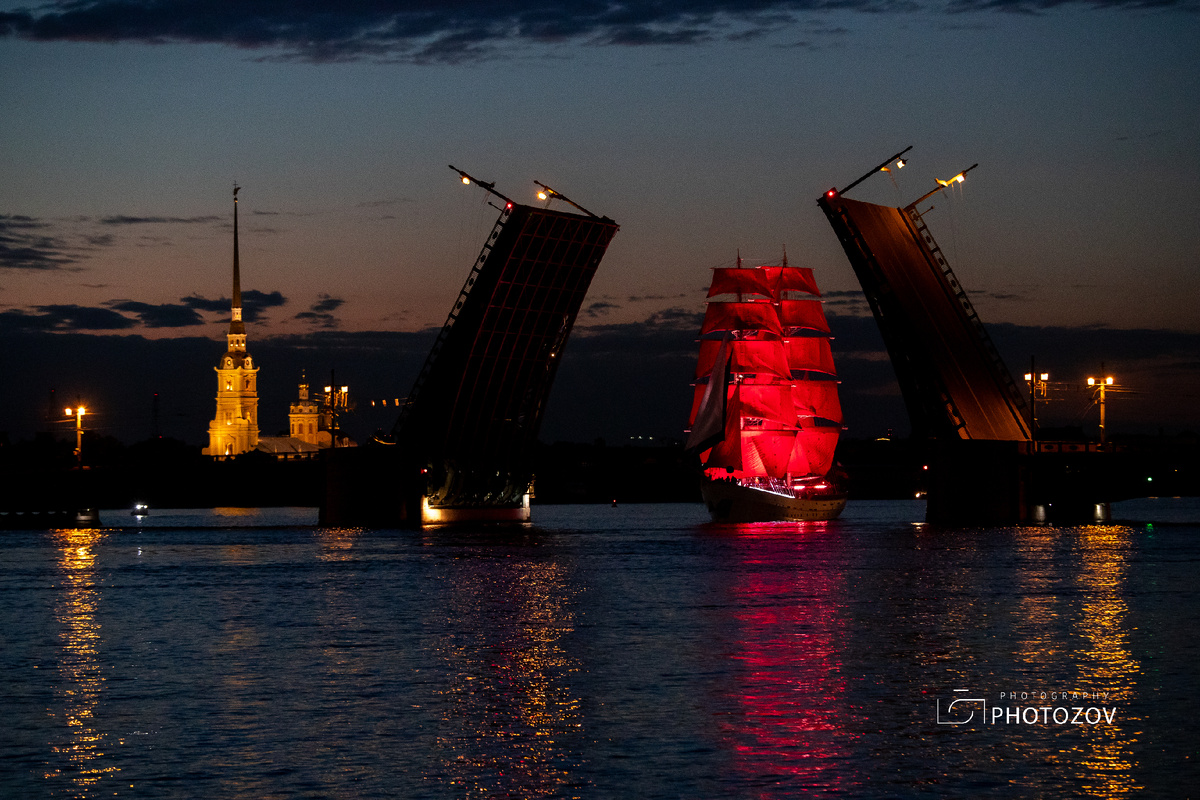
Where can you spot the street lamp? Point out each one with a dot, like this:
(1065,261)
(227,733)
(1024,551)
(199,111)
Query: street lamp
(78,413)
(1037,388)
(1102,383)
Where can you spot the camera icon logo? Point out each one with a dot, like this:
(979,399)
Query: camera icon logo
(961,709)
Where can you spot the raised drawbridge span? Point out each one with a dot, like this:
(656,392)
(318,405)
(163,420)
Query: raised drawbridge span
(461,449)
(987,465)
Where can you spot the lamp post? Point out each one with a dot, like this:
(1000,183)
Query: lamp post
(1037,388)
(1102,383)
(78,413)
(337,399)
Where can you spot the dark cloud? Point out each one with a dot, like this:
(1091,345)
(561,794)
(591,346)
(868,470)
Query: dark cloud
(639,298)
(252,298)
(599,308)
(321,312)
(687,319)
(25,244)
(254,303)
(68,317)
(431,31)
(15,320)
(851,302)
(165,315)
(319,320)
(204,304)
(121,219)
(326,303)
(115,315)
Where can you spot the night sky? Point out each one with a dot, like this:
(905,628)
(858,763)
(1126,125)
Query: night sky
(703,129)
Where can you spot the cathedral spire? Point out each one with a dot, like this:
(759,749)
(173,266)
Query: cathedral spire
(236,326)
(234,428)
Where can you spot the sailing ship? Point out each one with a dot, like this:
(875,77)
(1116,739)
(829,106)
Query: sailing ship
(765,417)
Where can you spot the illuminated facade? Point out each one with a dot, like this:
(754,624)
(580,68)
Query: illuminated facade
(304,417)
(234,429)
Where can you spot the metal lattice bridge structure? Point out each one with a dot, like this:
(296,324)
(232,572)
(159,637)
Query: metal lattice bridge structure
(962,401)
(462,446)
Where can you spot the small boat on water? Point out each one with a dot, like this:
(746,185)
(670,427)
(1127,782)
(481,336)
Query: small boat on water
(766,418)
(140,510)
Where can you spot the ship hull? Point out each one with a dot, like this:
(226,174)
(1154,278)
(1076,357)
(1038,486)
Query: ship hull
(731,502)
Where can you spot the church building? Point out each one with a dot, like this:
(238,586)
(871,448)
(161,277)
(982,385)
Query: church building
(234,430)
(304,416)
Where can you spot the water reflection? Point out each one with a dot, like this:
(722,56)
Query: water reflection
(510,717)
(787,729)
(1105,756)
(1071,633)
(81,675)
(337,544)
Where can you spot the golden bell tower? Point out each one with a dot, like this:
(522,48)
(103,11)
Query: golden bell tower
(235,428)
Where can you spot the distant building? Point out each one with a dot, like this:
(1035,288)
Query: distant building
(312,424)
(304,417)
(234,429)
(304,427)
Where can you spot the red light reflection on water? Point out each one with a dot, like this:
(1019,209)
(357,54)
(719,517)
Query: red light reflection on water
(787,728)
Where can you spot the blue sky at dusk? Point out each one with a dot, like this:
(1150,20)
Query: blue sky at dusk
(701,128)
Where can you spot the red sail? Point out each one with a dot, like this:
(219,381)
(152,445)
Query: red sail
(802,314)
(740,281)
(817,400)
(810,354)
(767,453)
(759,356)
(813,451)
(792,279)
(740,317)
(764,401)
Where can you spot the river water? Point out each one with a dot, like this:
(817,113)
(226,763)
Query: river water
(601,652)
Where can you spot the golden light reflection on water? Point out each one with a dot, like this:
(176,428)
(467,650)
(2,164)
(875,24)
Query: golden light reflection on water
(1106,754)
(508,709)
(1080,620)
(337,543)
(81,675)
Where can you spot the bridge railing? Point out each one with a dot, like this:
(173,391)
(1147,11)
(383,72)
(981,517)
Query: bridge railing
(999,367)
(438,343)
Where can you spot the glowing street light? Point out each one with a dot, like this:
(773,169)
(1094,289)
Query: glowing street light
(78,413)
(1103,383)
(1037,388)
